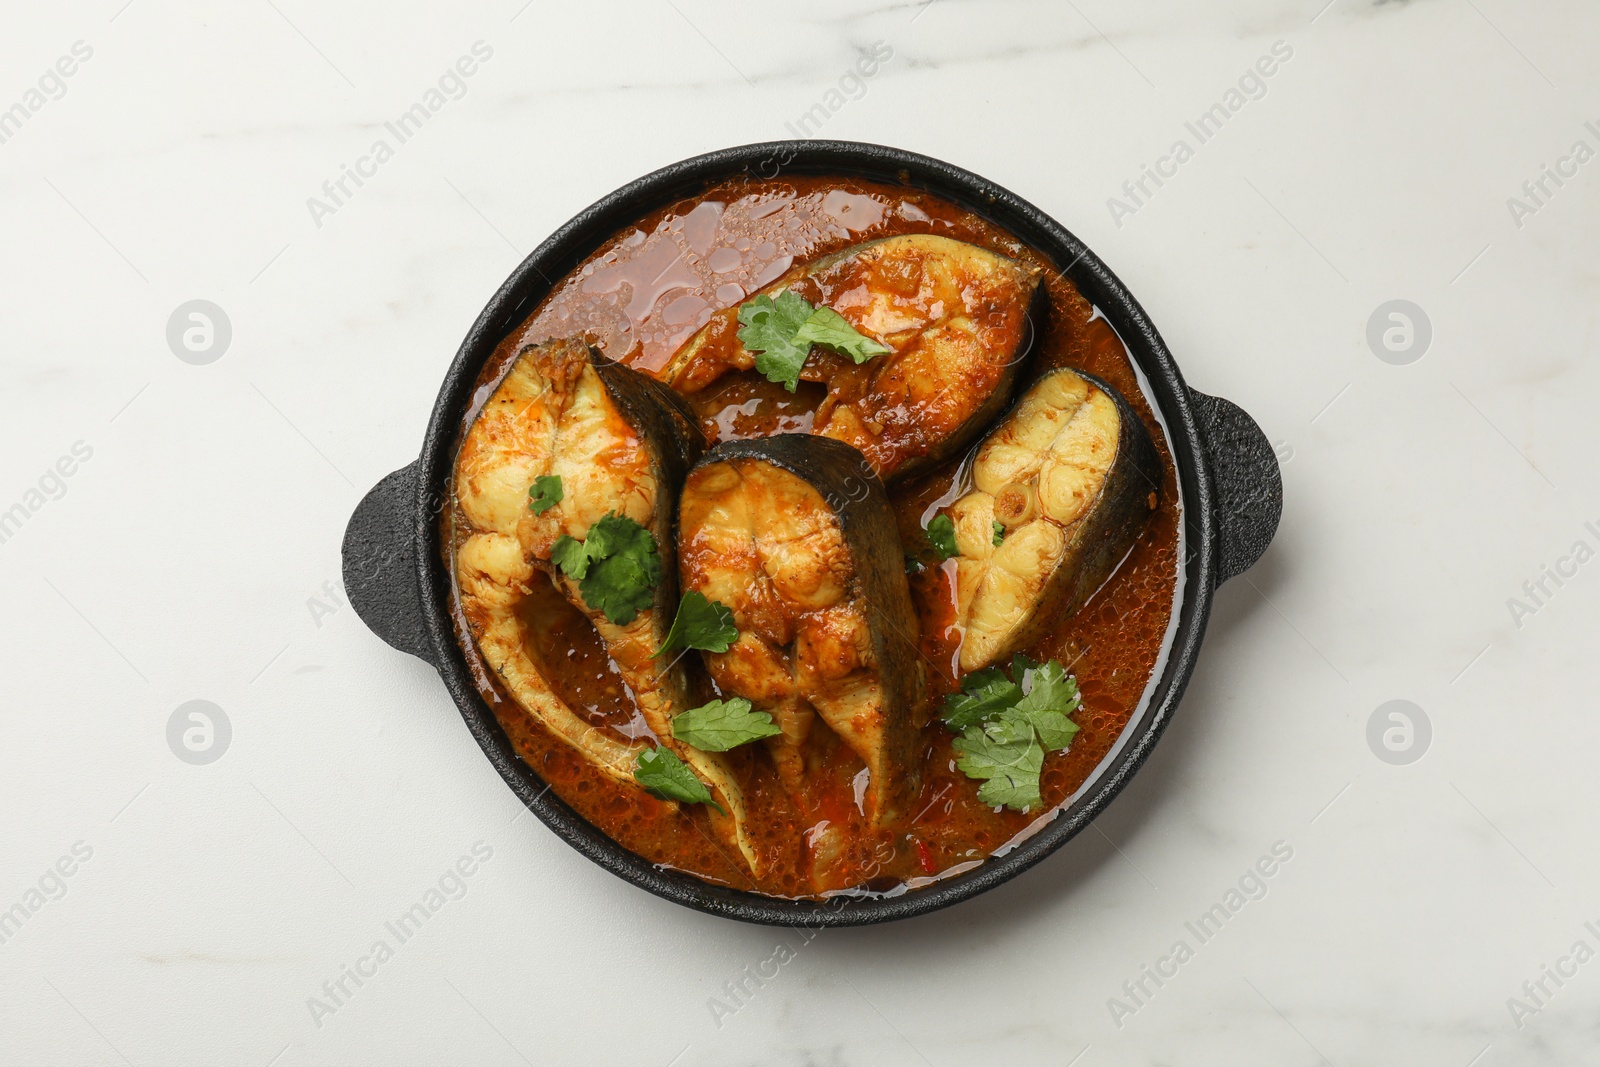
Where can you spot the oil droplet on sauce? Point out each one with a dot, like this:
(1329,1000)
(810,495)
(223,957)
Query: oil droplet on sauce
(648,293)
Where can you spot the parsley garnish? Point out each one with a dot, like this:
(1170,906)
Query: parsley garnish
(700,623)
(616,566)
(665,775)
(999,532)
(941,533)
(781,332)
(1007,724)
(723,724)
(545,493)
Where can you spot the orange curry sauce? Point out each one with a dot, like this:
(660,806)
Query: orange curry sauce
(649,289)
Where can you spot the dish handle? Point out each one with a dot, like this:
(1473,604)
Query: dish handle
(1244,469)
(380,565)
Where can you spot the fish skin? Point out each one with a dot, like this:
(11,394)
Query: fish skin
(1079,491)
(621,444)
(797,533)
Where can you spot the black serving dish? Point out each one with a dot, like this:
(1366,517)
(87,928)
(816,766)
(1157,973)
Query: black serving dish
(1232,495)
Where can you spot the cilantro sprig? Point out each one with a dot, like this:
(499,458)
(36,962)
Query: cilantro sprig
(545,493)
(781,332)
(769,331)
(665,775)
(700,623)
(723,724)
(1007,722)
(617,566)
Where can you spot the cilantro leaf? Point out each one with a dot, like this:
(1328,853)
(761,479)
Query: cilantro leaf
(1007,758)
(781,332)
(545,493)
(1055,731)
(972,706)
(723,724)
(1019,791)
(700,623)
(1050,687)
(613,534)
(1007,729)
(979,679)
(570,555)
(769,331)
(999,532)
(941,532)
(665,775)
(616,566)
(828,328)
(1020,666)
(1052,696)
(621,586)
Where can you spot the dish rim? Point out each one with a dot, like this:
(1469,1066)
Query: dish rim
(585,233)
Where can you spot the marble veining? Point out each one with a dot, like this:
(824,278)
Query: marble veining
(1437,466)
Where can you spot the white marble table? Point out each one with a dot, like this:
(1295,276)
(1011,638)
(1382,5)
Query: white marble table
(192,551)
